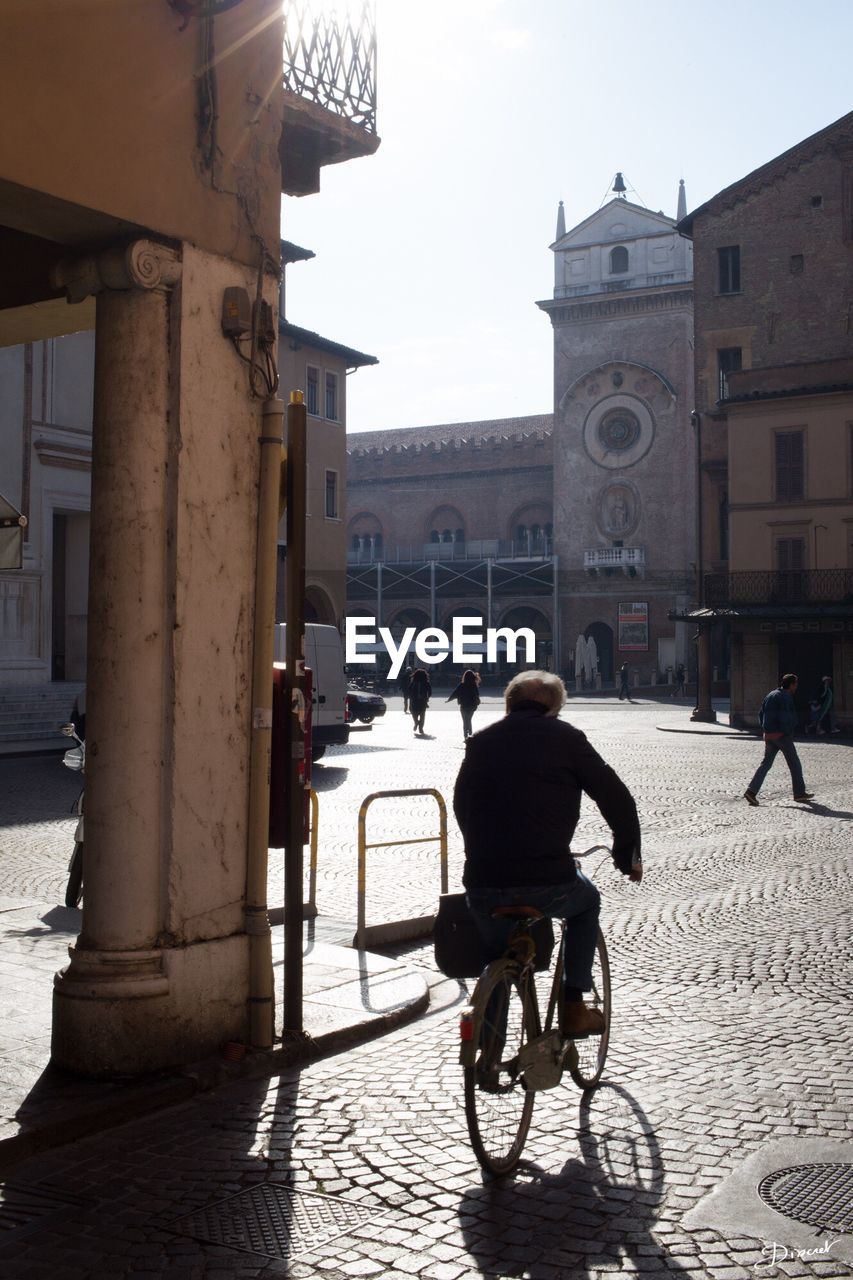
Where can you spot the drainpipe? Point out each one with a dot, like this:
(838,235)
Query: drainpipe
(261,989)
(703,710)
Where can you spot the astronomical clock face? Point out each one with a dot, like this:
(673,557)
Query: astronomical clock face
(618,431)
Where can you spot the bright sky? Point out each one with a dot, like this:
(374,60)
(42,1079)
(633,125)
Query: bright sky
(432,253)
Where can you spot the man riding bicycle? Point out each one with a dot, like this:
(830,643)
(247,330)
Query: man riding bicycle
(517,802)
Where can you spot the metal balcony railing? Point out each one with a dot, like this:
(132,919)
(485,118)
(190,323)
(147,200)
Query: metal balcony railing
(474,549)
(330,59)
(783,586)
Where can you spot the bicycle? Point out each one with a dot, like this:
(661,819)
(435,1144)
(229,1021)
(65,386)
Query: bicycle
(505,1053)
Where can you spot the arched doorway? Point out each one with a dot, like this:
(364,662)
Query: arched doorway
(540,625)
(318,606)
(602,634)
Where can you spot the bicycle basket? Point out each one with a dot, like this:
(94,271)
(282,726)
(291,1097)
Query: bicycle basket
(459,948)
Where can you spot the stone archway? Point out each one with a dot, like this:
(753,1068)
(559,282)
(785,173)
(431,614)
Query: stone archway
(540,624)
(318,606)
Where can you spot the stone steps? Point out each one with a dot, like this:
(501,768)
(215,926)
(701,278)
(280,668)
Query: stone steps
(33,713)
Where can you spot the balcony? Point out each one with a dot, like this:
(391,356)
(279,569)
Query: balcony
(329,91)
(475,549)
(779,587)
(631,561)
(625,282)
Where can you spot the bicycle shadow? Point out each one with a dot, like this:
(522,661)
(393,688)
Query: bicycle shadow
(597,1211)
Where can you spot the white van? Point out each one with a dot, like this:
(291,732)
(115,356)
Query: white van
(324,654)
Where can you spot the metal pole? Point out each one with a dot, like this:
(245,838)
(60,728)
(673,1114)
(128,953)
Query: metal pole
(555,630)
(311,909)
(295,734)
(379,593)
(261,988)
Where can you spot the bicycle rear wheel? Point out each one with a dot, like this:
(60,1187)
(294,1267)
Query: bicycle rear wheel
(498,1107)
(592,1051)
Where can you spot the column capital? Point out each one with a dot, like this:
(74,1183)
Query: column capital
(142,264)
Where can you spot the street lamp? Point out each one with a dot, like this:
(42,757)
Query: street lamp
(815,529)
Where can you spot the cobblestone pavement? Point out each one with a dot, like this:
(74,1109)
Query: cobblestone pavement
(732,999)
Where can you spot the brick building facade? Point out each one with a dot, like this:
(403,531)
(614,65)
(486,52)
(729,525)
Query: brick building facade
(774,381)
(453,520)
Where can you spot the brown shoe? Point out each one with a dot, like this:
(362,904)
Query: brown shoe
(579,1020)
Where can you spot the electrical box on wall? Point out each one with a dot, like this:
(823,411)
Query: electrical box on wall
(236,312)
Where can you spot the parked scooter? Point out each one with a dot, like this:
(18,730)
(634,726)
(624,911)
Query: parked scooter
(75,758)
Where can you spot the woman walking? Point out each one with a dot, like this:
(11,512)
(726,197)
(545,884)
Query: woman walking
(419,695)
(467,694)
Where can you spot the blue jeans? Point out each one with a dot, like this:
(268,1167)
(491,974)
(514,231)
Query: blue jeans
(577,902)
(789,751)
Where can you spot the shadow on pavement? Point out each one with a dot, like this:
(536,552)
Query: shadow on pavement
(820,810)
(600,1208)
(328,777)
(57,920)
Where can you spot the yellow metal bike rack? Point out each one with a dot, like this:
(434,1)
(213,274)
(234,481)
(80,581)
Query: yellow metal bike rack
(309,908)
(414,926)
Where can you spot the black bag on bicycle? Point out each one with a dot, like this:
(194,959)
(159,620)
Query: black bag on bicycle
(459,948)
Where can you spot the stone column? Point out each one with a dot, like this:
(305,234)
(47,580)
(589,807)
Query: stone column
(703,710)
(117,965)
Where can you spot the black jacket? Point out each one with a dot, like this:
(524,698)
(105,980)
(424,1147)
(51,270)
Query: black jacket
(518,795)
(467,695)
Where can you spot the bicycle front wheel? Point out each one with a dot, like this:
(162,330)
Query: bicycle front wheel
(74,888)
(498,1107)
(592,1051)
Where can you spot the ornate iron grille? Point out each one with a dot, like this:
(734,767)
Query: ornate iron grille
(786,586)
(330,58)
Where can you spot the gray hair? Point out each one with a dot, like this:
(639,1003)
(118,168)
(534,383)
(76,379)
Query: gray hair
(536,686)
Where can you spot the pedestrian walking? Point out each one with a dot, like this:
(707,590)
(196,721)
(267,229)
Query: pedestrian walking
(778,720)
(623,686)
(821,708)
(420,691)
(405,685)
(679,681)
(467,694)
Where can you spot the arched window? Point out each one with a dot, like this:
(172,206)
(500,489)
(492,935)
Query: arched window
(459,535)
(434,535)
(377,541)
(618,260)
(521,533)
(356,542)
(446,535)
(535,532)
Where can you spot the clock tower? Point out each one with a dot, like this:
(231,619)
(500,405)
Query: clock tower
(624,461)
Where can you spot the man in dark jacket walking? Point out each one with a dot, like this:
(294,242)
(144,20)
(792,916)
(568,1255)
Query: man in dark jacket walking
(517,801)
(778,719)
